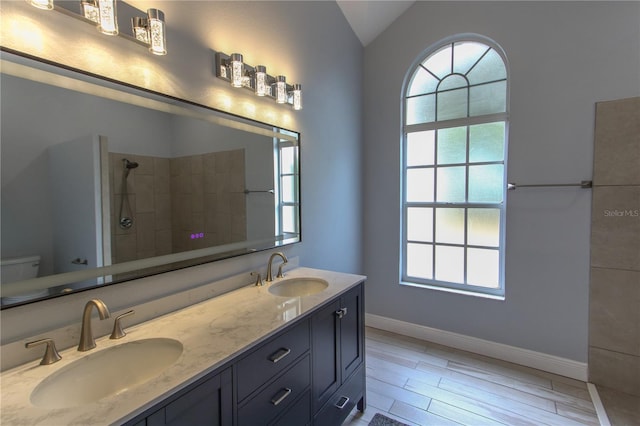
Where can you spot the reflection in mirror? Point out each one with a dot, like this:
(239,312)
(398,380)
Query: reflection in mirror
(103,183)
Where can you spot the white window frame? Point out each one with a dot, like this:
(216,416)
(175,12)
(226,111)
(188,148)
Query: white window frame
(461,288)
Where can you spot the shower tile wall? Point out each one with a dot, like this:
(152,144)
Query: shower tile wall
(614,311)
(178,204)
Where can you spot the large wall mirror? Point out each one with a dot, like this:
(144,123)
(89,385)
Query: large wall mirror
(103,183)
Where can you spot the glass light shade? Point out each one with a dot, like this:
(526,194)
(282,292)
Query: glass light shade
(261,86)
(157,33)
(237,70)
(108,18)
(297,96)
(90,10)
(281,89)
(140,28)
(41,4)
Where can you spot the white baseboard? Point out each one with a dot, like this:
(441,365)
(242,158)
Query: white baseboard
(541,361)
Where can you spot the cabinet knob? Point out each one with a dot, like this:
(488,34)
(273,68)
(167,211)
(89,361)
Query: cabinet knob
(341,312)
(342,402)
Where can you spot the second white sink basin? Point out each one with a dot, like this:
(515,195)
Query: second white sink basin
(296,287)
(106,372)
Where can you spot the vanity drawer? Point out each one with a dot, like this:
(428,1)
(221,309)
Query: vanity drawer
(336,410)
(271,358)
(278,396)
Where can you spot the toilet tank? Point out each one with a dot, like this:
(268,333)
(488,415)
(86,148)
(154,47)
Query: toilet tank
(19,268)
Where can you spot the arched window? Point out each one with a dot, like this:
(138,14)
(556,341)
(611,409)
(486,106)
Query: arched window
(454,151)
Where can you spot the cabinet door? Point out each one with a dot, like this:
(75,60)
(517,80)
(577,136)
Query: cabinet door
(351,332)
(207,404)
(325,351)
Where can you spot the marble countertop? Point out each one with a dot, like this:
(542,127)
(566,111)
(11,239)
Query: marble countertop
(212,332)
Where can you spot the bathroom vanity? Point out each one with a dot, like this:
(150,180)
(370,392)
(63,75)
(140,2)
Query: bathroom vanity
(249,357)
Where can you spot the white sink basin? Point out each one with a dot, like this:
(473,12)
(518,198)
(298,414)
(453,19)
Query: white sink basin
(296,287)
(106,372)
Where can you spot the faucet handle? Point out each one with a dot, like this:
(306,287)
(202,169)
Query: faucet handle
(280,274)
(118,332)
(51,354)
(259,281)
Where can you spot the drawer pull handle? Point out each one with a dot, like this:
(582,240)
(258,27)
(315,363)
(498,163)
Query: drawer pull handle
(341,312)
(279,354)
(342,402)
(285,393)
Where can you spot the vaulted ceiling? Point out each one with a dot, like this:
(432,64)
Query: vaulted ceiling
(370,18)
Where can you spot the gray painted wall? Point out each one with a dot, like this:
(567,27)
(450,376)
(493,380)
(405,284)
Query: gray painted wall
(563,57)
(310,42)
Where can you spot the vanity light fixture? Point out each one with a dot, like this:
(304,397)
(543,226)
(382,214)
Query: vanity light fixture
(296,94)
(234,70)
(41,4)
(108,23)
(90,10)
(281,89)
(149,30)
(260,80)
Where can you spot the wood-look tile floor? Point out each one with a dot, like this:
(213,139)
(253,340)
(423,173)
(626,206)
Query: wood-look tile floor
(422,383)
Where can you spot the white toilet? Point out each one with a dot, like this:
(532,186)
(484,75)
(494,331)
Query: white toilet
(19,269)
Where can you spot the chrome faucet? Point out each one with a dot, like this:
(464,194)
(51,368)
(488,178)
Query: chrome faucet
(87,341)
(280,275)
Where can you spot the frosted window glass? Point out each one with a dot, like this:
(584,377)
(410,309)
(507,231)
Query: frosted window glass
(488,99)
(440,62)
(450,264)
(451,184)
(453,81)
(486,183)
(420,185)
(490,68)
(452,145)
(421,109)
(450,226)
(287,163)
(452,104)
(465,54)
(420,261)
(288,219)
(421,148)
(483,267)
(288,189)
(420,224)
(486,142)
(483,227)
(422,82)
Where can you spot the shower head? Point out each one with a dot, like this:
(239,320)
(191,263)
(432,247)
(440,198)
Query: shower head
(129,164)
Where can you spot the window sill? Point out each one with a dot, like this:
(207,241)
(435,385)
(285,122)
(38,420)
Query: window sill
(455,291)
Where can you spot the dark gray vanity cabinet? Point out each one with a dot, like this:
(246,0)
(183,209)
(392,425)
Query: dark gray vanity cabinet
(338,372)
(275,378)
(208,402)
(310,373)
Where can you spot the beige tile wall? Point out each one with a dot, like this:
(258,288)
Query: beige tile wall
(172,199)
(614,299)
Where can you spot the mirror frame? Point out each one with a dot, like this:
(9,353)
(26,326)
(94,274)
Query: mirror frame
(141,268)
